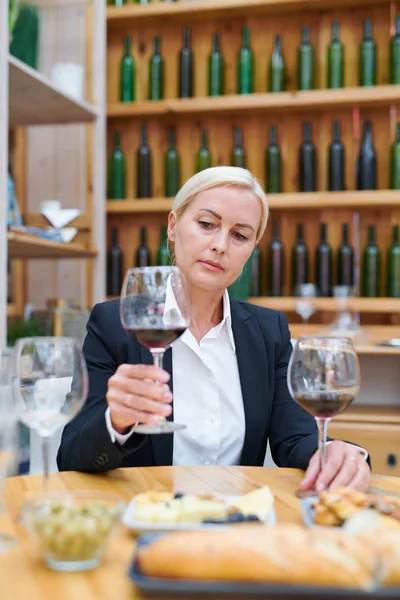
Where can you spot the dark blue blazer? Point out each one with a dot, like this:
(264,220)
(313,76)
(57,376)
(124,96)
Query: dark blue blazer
(263,349)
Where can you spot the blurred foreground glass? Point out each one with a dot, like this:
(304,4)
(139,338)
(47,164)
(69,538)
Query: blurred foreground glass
(51,386)
(346,323)
(305,305)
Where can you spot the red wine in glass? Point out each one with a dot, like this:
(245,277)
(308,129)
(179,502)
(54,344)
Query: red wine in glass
(325,406)
(154,339)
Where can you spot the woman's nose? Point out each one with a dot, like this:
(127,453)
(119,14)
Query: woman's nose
(219,243)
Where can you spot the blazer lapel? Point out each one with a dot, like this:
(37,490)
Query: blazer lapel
(253,372)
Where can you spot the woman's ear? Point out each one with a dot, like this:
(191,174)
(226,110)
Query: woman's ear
(171,225)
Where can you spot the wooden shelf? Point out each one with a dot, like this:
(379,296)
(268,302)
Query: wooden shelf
(145,205)
(196,10)
(373,97)
(365,305)
(34,100)
(376,415)
(12,310)
(25,246)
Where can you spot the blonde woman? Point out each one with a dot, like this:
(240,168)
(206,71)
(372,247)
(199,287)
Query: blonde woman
(226,375)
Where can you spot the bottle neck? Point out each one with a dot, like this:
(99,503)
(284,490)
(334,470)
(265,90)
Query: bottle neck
(128,46)
(171,138)
(367,29)
(143,136)
(307,132)
(216,47)
(117,140)
(396,235)
(143,236)
(300,233)
(204,139)
(246,37)
(345,234)
(275,234)
(336,131)
(186,37)
(305,35)
(238,137)
(272,136)
(156,45)
(323,236)
(114,237)
(335,31)
(277,44)
(164,234)
(371,235)
(398,25)
(398,132)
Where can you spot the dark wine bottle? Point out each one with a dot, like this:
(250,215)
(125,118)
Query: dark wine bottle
(114,266)
(335,60)
(307,161)
(186,67)
(238,152)
(299,260)
(163,254)
(172,167)
(371,267)
(305,62)
(393,265)
(245,70)
(10,283)
(336,162)
(203,158)
(216,69)
(323,263)
(345,259)
(127,74)
(277,68)
(367,57)
(144,170)
(394,76)
(366,162)
(116,171)
(275,263)
(273,164)
(143,253)
(256,272)
(395,161)
(156,72)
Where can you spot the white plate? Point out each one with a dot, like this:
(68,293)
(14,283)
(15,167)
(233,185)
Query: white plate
(143,527)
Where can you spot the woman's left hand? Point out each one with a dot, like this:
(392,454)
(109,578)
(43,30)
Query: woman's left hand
(345,466)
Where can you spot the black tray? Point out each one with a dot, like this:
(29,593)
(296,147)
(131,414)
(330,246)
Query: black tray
(187,587)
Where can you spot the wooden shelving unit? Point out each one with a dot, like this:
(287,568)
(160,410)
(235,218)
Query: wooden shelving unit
(21,245)
(362,305)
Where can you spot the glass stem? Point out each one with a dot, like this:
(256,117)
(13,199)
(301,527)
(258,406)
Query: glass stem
(322,434)
(158,359)
(46,460)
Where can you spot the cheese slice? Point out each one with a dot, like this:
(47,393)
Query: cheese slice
(259,502)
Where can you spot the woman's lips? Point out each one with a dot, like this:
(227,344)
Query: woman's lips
(211,266)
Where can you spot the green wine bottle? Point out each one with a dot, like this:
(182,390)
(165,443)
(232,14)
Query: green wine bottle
(277,68)
(127,74)
(143,253)
(116,171)
(305,62)
(307,161)
(238,158)
(371,266)
(118,2)
(216,69)
(345,259)
(186,67)
(323,263)
(156,72)
(203,157)
(367,57)
(241,288)
(299,260)
(256,272)
(366,161)
(395,161)
(172,167)
(142,1)
(163,254)
(336,162)
(273,164)
(275,263)
(144,170)
(335,60)
(393,265)
(394,76)
(114,266)
(245,71)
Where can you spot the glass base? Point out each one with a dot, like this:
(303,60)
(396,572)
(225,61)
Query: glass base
(69,566)
(163,426)
(7,542)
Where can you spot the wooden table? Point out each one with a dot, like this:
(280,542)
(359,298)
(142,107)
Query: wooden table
(23,574)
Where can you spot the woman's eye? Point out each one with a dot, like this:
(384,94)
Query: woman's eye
(206,224)
(240,236)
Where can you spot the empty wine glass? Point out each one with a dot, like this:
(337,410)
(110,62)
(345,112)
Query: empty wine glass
(305,306)
(155,309)
(51,386)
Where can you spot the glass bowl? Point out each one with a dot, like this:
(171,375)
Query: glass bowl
(73,528)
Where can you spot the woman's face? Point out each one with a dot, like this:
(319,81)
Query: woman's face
(215,236)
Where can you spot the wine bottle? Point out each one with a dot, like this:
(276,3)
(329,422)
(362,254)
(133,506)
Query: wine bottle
(10,283)
(345,259)
(143,253)
(305,62)
(395,161)
(393,265)
(203,158)
(163,254)
(273,164)
(371,266)
(156,72)
(216,69)
(336,162)
(245,69)
(238,152)
(186,67)
(256,272)
(143,171)
(118,2)
(275,263)
(335,60)
(367,57)
(114,266)
(299,260)
(172,167)
(116,171)
(323,263)
(277,68)
(366,162)
(142,1)
(127,74)
(394,76)
(307,161)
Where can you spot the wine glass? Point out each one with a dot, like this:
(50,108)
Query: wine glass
(51,386)
(155,308)
(305,306)
(323,377)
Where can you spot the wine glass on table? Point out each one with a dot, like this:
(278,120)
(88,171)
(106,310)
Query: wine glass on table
(51,386)
(323,378)
(155,309)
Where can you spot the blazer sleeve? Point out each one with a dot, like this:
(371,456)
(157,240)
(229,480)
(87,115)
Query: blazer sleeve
(86,444)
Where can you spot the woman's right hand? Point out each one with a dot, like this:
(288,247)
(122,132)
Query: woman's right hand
(133,396)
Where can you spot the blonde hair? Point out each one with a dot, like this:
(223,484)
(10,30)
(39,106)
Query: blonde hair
(222,176)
